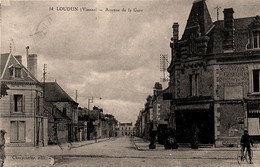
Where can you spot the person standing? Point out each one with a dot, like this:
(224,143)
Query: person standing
(245,143)
(2,147)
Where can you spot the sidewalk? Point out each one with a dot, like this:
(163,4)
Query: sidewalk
(42,156)
(49,150)
(143,145)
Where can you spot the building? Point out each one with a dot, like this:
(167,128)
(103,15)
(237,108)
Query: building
(125,129)
(58,124)
(54,94)
(214,77)
(21,112)
(160,112)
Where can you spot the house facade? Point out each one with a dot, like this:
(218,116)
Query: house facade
(214,77)
(160,112)
(60,99)
(58,124)
(125,129)
(21,112)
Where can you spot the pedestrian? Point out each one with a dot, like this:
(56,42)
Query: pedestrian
(245,143)
(95,135)
(2,147)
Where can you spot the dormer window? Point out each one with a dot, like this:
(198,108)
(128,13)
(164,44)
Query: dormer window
(254,34)
(15,71)
(18,72)
(256,39)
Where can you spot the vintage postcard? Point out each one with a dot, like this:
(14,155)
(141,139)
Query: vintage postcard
(129,83)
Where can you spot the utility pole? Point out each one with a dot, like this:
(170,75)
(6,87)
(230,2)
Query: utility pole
(76,95)
(218,7)
(44,78)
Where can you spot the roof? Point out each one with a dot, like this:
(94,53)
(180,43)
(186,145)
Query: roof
(54,111)
(3,60)
(7,61)
(125,124)
(199,16)
(239,23)
(241,28)
(54,93)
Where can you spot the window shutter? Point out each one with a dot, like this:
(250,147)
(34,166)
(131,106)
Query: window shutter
(21,127)
(23,103)
(13,131)
(11,103)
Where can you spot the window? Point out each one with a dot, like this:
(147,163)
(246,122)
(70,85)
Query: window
(194,84)
(64,110)
(18,72)
(256,81)
(38,105)
(18,103)
(256,39)
(17,131)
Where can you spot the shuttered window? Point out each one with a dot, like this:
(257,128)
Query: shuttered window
(18,103)
(256,82)
(256,39)
(18,131)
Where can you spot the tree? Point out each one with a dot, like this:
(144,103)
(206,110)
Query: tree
(3,90)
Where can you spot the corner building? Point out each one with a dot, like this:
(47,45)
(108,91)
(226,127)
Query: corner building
(214,77)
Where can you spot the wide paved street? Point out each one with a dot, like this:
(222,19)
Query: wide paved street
(120,152)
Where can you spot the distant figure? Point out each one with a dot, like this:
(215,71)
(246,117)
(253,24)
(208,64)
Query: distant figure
(95,135)
(2,147)
(245,143)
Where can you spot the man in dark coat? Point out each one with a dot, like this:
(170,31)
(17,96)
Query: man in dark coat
(2,147)
(245,143)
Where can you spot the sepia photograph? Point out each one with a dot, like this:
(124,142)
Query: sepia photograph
(129,83)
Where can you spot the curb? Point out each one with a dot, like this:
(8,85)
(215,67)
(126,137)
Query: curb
(136,147)
(90,143)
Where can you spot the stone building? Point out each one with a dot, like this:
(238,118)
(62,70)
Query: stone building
(214,77)
(21,111)
(125,129)
(160,112)
(58,124)
(60,99)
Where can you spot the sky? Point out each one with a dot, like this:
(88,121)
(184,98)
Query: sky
(114,55)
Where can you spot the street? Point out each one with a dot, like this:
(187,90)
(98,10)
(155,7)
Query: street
(119,152)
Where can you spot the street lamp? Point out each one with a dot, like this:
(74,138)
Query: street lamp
(91,101)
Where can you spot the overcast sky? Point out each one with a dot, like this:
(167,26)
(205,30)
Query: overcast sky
(113,55)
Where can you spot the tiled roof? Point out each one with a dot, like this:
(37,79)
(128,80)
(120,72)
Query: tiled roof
(199,15)
(54,93)
(7,60)
(240,34)
(240,23)
(53,110)
(3,60)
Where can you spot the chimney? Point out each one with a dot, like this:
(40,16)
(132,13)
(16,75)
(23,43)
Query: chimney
(32,64)
(157,88)
(175,32)
(228,29)
(19,58)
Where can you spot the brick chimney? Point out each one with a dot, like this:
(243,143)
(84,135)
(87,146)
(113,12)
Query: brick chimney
(175,32)
(32,64)
(19,58)
(229,29)
(157,88)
